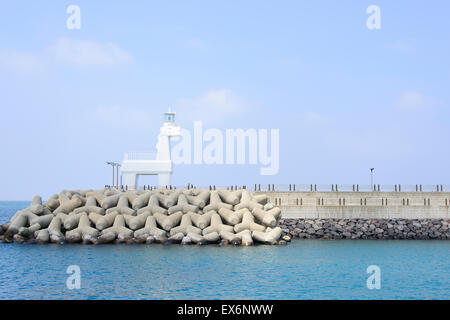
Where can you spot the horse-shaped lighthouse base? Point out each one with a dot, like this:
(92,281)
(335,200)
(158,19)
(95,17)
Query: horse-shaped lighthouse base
(136,164)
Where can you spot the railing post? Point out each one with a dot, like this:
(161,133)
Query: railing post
(357,188)
(315,187)
(294,187)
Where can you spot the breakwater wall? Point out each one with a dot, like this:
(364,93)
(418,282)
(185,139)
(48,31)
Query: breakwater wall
(361,205)
(375,214)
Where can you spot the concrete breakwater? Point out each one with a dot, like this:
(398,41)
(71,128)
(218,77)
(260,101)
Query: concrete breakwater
(361,205)
(412,229)
(180,216)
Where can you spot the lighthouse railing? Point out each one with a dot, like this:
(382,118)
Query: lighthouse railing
(139,156)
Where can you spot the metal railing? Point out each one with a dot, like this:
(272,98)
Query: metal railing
(350,188)
(309,188)
(140,156)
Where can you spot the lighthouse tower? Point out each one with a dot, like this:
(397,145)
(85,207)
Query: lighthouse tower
(138,163)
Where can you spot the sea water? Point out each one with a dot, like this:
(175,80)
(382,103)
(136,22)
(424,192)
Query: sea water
(304,269)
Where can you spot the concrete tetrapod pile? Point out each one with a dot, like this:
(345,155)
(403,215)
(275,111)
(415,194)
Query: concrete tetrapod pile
(163,216)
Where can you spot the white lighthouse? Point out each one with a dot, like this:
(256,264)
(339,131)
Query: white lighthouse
(139,163)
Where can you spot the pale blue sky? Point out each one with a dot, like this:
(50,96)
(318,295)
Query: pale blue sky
(345,98)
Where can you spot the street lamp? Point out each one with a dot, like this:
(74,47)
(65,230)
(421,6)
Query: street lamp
(371,178)
(117,165)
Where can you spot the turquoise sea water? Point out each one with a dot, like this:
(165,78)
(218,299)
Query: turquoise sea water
(304,269)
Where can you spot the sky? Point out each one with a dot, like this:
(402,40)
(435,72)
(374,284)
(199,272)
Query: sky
(344,98)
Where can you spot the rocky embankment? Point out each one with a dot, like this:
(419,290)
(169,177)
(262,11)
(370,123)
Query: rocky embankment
(412,229)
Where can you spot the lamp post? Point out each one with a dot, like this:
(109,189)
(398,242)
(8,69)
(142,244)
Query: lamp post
(112,166)
(371,178)
(117,165)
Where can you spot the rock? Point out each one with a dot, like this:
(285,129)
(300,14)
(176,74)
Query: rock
(18,238)
(302,235)
(347,234)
